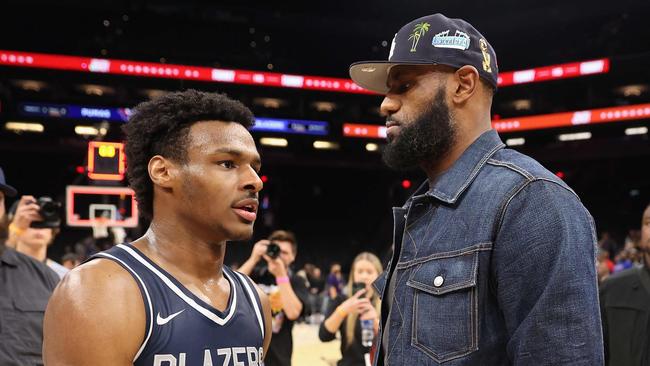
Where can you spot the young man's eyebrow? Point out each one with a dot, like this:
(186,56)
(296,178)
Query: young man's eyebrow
(238,153)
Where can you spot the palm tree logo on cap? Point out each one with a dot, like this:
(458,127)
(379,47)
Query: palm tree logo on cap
(418,31)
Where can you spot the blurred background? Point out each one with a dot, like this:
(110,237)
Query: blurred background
(574,94)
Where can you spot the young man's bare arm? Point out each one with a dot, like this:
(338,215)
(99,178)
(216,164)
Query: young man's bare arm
(266,309)
(96,316)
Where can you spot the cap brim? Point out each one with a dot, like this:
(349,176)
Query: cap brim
(373,75)
(8,190)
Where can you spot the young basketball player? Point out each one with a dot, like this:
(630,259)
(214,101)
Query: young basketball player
(167,299)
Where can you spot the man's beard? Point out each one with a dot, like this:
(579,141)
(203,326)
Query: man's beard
(427,139)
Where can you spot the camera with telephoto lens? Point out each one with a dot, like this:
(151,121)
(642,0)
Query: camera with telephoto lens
(49,210)
(273,250)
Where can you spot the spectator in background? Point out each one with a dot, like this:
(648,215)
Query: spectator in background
(287,292)
(625,309)
(608,243)
(29,240)
(335,281)
(316,288)
(333,286)
(70,261)
(624,260)
(344,313)
(25,287)
(605,266)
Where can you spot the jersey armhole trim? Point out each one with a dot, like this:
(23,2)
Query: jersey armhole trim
(254,299)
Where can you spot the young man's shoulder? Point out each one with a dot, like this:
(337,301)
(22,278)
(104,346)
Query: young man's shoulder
(96,301)
(99,278)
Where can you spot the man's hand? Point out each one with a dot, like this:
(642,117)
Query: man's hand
(26,212)
(259,249)
(256,254)
(276,266)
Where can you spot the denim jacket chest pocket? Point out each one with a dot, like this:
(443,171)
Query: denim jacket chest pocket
(445,305)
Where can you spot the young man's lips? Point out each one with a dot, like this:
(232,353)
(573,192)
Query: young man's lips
(246,215)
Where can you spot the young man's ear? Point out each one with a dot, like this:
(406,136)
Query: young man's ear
(162,171)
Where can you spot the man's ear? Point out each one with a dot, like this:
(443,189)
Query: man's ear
(162,171)
(467,84)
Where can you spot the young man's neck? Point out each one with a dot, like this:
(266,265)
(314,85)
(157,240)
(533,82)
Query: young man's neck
(38,252)
(181,247)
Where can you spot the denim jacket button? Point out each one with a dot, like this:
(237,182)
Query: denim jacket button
(438,281)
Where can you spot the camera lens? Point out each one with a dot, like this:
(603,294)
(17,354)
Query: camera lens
(49,211)
(273,250)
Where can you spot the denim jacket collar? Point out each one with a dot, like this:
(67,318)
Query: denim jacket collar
(453,182)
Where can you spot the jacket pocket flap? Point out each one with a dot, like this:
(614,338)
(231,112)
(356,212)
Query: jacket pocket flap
(442,275)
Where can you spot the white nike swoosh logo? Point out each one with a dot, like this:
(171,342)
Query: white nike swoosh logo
(162,321)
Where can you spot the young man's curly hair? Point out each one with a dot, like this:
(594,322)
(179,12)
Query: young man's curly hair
(161,127)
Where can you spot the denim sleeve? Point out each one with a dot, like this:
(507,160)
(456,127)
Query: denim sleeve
(545,274)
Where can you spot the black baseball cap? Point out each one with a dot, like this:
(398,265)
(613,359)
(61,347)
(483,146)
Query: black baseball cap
(4,187)
(431,40)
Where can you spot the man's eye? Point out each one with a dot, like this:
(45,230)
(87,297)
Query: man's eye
(228,164)
(402,87)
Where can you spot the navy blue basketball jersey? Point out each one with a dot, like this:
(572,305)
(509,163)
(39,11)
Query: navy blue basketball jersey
(182,329)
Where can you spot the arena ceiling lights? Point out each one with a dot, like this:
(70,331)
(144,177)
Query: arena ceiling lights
(539,122)
(248,77)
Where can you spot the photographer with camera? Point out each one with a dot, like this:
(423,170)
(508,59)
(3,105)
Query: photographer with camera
(356,316)
(33,225)
(287,292)
(25,287)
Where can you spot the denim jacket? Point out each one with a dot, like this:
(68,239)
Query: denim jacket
(494,264)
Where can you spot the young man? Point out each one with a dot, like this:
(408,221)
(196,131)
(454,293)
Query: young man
(625,307)
(167,299)
(287,292)
(494,255)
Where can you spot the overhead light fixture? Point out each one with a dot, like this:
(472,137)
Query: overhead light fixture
(326,145)
(522,104)
(574,136)
(636,131)
(271,103)
(372,146)
(632,90)
(19,127)
(154,93)
(274,141)
(324,106)
(30,85)
(86,130)
(516,141)
(97,90)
